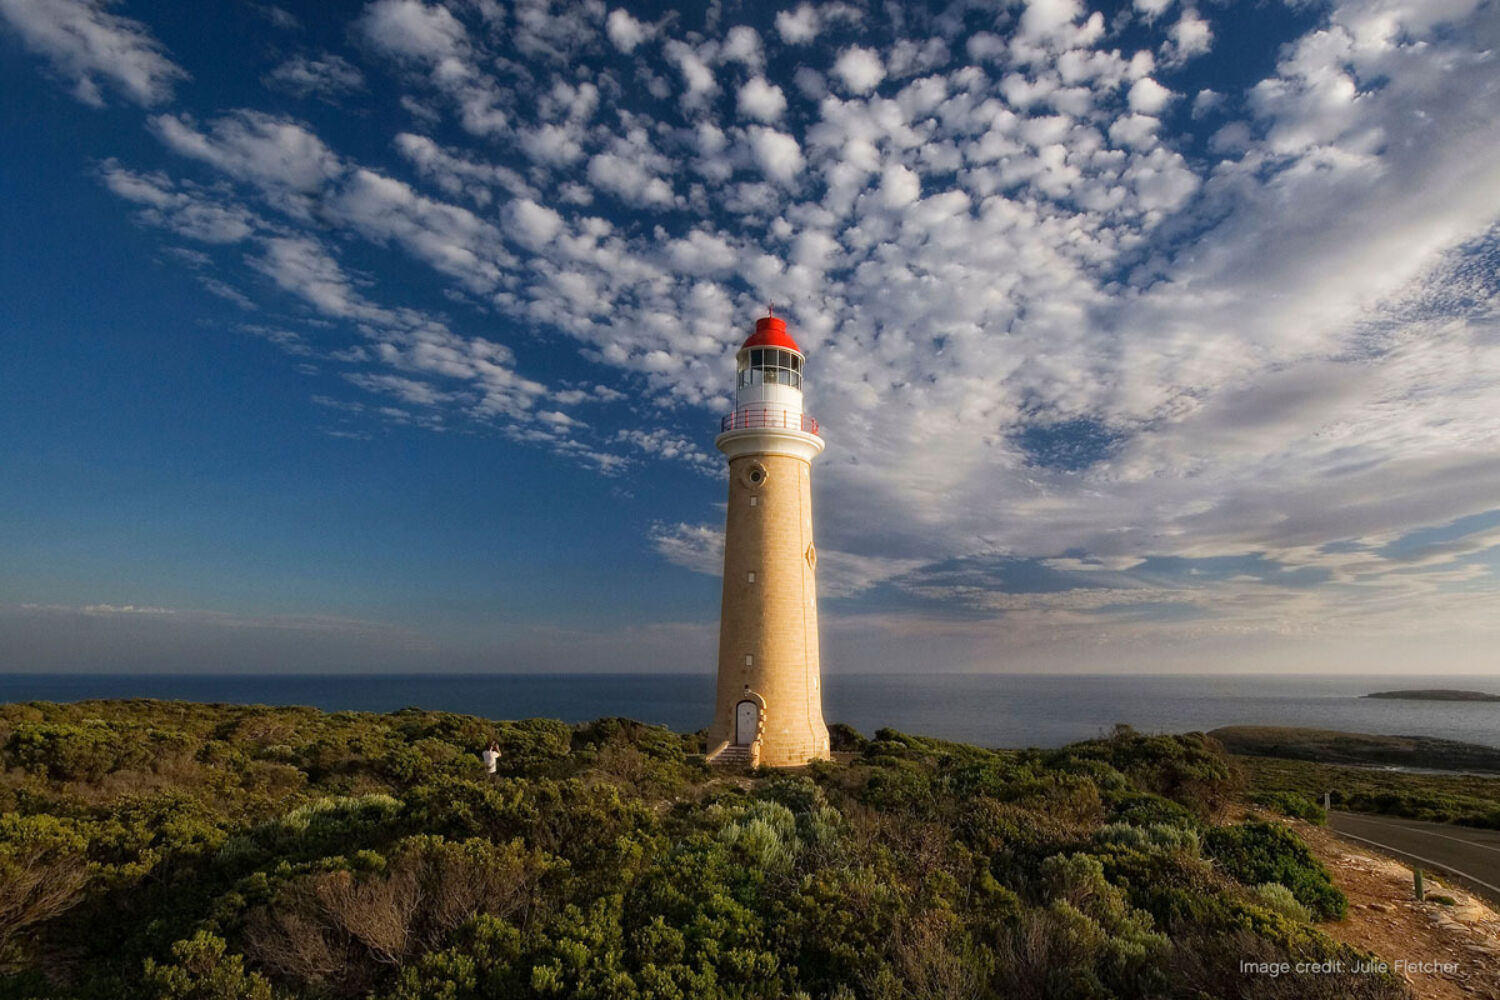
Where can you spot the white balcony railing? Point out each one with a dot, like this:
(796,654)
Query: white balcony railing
(758,417)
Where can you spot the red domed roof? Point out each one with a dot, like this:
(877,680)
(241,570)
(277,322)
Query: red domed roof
(770,331)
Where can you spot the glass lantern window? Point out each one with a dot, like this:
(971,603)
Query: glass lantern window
(769,366)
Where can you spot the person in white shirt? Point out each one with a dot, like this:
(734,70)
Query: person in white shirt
(491,757)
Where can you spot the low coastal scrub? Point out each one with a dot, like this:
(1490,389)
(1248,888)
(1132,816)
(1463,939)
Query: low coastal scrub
(1328,746)
(1469,800)
(1262,853)
(1293,804)
(168,851)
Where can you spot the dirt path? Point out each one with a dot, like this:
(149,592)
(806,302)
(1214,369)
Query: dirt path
(1457,946)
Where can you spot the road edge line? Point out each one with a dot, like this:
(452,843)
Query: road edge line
(1444,866)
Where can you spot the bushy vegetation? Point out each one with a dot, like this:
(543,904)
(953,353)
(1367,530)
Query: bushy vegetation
(1260,853)
(1470,800)
(167,851)
(1293,804)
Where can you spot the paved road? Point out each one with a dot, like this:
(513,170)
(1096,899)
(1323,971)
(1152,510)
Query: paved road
(1472,855)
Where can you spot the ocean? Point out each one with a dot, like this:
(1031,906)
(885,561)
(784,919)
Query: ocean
(998,710)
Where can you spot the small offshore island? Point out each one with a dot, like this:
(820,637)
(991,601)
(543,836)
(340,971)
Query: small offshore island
(1435,694)
(181,851)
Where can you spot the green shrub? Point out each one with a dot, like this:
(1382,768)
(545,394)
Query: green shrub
(68,752)
(797,793)
(655,742)
(1279,898)
(1087,942)
(43,871)
(1145,809)
(1255,853)
(764,833)
(1190,769)
(342,928)
(896,784)
(532,743)
(331,825)
(845,738)
(204,969)
(1292,804)
(1156,837)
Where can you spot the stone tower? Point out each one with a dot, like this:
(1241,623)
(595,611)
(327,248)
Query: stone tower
(769,709)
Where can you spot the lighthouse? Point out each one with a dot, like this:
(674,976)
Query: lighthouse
(769,707)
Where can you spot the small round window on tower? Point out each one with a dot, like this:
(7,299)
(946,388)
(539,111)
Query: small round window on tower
(754,475)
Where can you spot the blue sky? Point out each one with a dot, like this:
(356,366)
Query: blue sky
(394,335)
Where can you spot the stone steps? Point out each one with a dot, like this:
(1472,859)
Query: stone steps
(736,756)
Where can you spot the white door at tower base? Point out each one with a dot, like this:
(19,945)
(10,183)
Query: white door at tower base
(746,715)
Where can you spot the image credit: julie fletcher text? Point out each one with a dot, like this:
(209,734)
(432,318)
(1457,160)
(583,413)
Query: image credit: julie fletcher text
(1339,967)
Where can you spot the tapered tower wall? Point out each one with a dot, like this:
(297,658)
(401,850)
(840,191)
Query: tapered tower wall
(770,604)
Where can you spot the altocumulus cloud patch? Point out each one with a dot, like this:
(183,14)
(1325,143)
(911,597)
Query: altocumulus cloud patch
(1259,261)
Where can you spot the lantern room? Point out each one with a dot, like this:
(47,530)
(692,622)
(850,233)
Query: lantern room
(768,378)
(769,356)
(770,366)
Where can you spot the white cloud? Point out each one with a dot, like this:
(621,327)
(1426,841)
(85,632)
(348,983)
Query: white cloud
(702,253)
(1234,137)
(1206,101)
(414,30)
(227,292)
(552,144)
(625,32)
(327,77)
(276,153)
(453,240)
(86,45)
(860,69)
(184,209)
(289,341)
(458,174)
(1149,97)
(143,638)
(1191,36)
(696,73)
(534,224)
(408,390)
(429,39)
(555,33)
(776,153)
(278,16)
(109,609)
(666,445)
(629,180)
(742,45)
(899,186)
(306,269)
(800,26)
(761,100)
(1045,18)
(1134,130)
